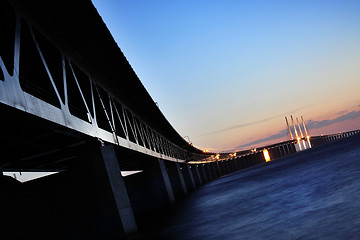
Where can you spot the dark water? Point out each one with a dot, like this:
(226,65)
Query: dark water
(310,195)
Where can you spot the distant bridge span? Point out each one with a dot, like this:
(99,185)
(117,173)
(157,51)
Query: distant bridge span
(70,102)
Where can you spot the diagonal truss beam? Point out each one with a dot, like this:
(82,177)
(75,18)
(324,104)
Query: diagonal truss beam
(120,125)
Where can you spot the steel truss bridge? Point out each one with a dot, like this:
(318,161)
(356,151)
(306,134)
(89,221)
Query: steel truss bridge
(70,102)
(92,90)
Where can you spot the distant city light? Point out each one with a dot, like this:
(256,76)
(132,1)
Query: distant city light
(266,155)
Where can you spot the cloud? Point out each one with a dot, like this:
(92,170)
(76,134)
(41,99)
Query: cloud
(280,134)
(251,123)
(243,125)
(319,124)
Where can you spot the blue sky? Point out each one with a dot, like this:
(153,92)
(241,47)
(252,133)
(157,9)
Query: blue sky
(225,73)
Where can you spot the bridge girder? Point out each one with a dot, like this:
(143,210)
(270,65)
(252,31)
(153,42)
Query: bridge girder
(44,80)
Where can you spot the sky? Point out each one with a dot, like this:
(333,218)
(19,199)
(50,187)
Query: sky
(226,73)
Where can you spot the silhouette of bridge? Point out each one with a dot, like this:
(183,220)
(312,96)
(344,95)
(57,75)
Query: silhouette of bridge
(71,103)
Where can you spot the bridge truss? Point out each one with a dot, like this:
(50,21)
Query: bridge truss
(39,79)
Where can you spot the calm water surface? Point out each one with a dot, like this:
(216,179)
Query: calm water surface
(309,195)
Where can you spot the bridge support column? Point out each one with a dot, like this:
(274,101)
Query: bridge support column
(202,169)
(208,167)
(238,163)
(227,166)
(182,180)
(198,174)
(288,147)
(214,169)
(245,161)
(220,168)
(291,148)
(260,157)
(119,190)
(284,150)
(230,166)
(224,167)
(280,153)
(166,180)
(190,176)
(234,164)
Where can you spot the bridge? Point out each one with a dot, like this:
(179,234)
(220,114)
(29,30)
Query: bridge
(71,103)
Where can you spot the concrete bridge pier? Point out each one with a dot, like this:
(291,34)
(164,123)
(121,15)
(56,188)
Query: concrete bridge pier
(181,178)
(91,195)
(260,157)
(119,192)
(188,177)
(235,166)
(247,160)
(236,163)
(223,168)
(233,162)
(174,178)
(252,159)
(201,174)
(214,169)
(196,174)
(88,200)
(204,173)
(286,149)
(225,165)
(157,184)
(274,153)
(208,172)
(218,169)
(239,163)
(167,182)
(209,167)
(231,165)
(279,153)
(282,150)
(255,158)
(242,162)
(290,147)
